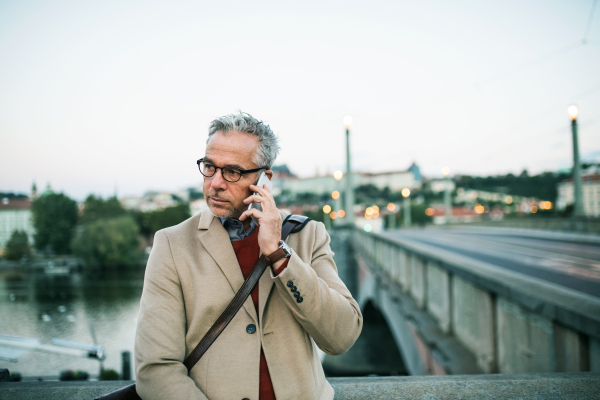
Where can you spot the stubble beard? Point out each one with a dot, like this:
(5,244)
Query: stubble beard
(229,211)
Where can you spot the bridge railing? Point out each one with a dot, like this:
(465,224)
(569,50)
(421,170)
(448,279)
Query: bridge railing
(511,322)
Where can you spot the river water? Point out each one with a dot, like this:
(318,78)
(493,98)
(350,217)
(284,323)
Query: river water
(73,307)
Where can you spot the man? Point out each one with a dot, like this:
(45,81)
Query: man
(269,350)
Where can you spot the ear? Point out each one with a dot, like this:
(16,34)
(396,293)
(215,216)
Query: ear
(269,174)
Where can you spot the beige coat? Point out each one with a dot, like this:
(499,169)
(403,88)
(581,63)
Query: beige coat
(193,274)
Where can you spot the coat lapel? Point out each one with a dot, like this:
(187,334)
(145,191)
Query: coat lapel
(216,242)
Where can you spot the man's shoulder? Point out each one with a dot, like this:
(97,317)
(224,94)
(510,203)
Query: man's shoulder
(309,228)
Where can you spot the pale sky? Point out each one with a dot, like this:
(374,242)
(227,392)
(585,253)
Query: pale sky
(98,95)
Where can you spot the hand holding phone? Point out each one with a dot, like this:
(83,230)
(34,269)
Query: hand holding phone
(262,179)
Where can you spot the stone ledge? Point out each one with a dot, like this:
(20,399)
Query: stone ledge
(576,386)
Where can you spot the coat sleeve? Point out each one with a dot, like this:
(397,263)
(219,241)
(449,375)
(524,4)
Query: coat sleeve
(327,312)
(160,347)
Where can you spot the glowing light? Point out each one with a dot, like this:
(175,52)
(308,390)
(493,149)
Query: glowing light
(405,192)
(445,170)
(533,209)
(375,215)
(546,205)
(367,228)
(479,209)
(391,207)
(367,216)
(341,213)
(347,121)
(573,112)
(338,175)
(508,200)
(326,208)
(333,215)
(375,209)
(429,212)
(335,195)
(369,211)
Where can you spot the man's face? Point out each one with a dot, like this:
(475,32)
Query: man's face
(233,149)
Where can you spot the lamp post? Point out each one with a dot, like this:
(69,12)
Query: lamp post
(578,210)
(391,216)
(406,204)
(447,194)
(349,187)
(335,195)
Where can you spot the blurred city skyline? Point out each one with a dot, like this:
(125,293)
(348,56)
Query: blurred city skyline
(98,96)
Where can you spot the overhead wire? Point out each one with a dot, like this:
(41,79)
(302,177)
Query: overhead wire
(586,31)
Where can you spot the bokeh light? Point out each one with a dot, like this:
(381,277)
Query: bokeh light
(508,200)
(347,121)
(326,208)
(333,215)
(368,228)
(573,112)
(429,212)
(533,209)
(405,192)
(335,195)
(391,207)
(341,213)
(445,170)
(338,175)
(369,211)
(479,209)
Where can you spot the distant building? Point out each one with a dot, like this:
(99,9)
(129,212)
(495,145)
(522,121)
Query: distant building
(151,201)
(394,180)
(459,214)
(416,172)
(197,206)
(15,214)
(591,193)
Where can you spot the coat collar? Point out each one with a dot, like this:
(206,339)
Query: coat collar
(216,241)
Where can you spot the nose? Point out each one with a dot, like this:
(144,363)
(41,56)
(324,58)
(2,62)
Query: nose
(217,181)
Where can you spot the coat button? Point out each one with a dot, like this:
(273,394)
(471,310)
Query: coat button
(293,288)
(251,328)
(245,398)
(290,283)
(299,299)
(296,294)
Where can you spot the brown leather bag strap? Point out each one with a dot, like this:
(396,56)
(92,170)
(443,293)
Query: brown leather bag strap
(292,223)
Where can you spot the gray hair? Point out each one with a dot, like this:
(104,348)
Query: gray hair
(268,142)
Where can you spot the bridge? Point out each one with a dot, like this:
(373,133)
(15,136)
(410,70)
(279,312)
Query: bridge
(451,301)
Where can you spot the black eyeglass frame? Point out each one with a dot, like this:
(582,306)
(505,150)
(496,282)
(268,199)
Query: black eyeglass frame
(242,171)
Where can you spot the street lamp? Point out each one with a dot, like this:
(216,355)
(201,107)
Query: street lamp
(406,204)
(578,210)
(347,120)
(391,216)
(447,194)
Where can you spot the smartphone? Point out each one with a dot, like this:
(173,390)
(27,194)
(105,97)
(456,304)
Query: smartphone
(262,179)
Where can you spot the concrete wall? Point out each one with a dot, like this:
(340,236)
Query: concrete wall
(575,386)
(509,322)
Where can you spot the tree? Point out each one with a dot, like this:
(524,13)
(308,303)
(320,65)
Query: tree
(152,221)
(17,246)
(108,243)
(96,208)
(54,218)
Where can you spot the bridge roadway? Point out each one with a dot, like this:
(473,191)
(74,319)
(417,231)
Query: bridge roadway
(569,260)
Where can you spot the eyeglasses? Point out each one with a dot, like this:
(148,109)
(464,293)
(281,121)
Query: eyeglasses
(230,174)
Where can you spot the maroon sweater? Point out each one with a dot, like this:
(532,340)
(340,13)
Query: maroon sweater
(247,252)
